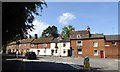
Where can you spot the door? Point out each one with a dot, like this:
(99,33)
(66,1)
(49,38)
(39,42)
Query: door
(69,54)
(101,54)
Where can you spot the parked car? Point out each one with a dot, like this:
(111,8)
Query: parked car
(31,55)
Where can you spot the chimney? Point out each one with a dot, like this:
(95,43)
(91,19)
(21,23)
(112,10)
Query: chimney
(61,36)
(88,28)
(36,36)
(30,36)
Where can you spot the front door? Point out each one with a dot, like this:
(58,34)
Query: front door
(101,54)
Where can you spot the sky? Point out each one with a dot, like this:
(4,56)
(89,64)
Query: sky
(101,17)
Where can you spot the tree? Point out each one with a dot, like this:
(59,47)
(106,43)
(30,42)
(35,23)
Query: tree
(50,32)
(17,18)
(66,31)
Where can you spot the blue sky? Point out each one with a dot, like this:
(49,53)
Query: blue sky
(102,17)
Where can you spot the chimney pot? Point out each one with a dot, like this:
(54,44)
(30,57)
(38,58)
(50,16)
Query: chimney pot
(36,36)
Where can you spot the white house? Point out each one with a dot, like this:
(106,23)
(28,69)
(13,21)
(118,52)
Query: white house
(60,47)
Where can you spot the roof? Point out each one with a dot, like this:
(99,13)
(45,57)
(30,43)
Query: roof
(12,43)
(112,37)
(80,32)
(26,40)
(43,40)
(58,40)
(21,41)
(97,35)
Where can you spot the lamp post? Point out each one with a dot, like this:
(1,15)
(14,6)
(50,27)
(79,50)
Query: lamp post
(17,43)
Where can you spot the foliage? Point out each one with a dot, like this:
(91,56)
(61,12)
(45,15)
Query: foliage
(17,18)
(66,31)
(50,32)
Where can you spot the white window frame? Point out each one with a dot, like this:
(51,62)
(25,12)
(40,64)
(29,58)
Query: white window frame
(32,45)
(79,35)
(96,54)
(79,44)
(25,44)
(44,44)
(63,44)
(80,52)
(95,44)
(63,51)
(114,42)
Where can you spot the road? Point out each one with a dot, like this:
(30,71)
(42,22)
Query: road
(55,63)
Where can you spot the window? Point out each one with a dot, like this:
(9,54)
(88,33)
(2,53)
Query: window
(56,51)
(32,45)
(79,51)
(79,35)
(63,44)
(56,45)
(19,44)
(95,44)
(24,44)
(38,50)
(95,53)
(79,43)
(64,51)
(44,44)
(113,43)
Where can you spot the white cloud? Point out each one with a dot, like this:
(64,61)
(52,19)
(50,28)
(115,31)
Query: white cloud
(65,18)
(39,27)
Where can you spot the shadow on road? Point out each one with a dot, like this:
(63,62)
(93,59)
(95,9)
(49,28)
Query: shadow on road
(19,66)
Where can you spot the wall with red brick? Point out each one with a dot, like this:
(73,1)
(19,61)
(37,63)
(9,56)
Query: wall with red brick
(87,47)
(112,51)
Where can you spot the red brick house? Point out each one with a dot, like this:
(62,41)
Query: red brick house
(22,48)
(83,43)
(112,46)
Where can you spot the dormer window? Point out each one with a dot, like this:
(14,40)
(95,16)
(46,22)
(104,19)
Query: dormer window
(79,35)
(113,43)
(44,45)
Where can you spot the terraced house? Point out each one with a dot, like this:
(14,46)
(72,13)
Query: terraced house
(22,48)
(81,43)
(41,46)
(60,47)
(112,46)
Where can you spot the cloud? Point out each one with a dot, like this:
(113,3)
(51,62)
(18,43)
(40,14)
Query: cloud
(65,18)
(39,27)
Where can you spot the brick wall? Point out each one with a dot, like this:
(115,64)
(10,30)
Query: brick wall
(87,47)
(112,51)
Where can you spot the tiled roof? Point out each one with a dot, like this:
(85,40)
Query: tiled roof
(21,41)
(26,40)
(80,32)
(112,37)
(12,43)
(58,40)
(43,40)
(97,36)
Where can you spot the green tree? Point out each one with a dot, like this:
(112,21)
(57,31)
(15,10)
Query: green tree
(50,32)
(66,31)
(17,18)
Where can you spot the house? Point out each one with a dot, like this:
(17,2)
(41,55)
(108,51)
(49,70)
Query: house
(41,46)
(11,48)
(22,47)
(83,43)
(60,47)
(112,43)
